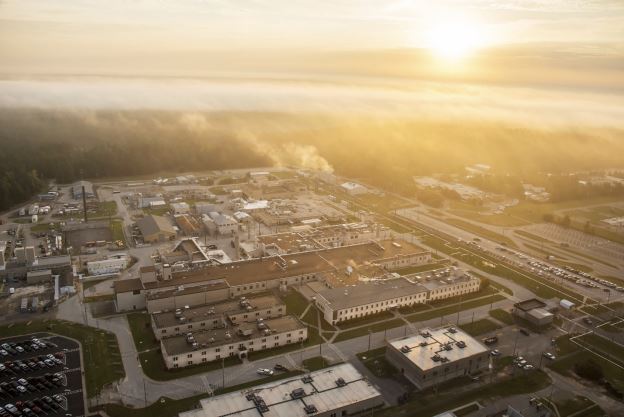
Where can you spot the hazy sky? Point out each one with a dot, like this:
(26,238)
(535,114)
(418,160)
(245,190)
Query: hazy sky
(560,58)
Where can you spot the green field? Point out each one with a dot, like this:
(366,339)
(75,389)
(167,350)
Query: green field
(445,311)
(479,327)
(374,328)
(502,315)
(116,227)
(142,334)
(100,350)
(154,367)
(295,303)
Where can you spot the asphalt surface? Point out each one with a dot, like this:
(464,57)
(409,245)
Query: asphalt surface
(73,400)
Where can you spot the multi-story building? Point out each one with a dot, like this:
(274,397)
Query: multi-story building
(209,345)
(339,390)
(434,356)
(111,265)
(208,282)
(348,303)
(216,316)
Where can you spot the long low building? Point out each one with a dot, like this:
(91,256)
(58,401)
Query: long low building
(170,288)
(209,345)
(348,303)
(216,316)
(335,391)
(342,304)
(434,356)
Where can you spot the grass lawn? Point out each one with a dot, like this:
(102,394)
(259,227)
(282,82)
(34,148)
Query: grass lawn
(572,405)
(376,327)
(154,366)
(158,211)
(414,308)
(503,316)
(100,350)
(482,231)
(116,227)
(295,303)
(45,227)
(479,327)
(431,314)
(142,334)
(361,321)
(316,363)
(430,404)
(311,317)
(96,298)
(614,351)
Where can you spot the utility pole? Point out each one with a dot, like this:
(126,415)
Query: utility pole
(222,372)
(370,333)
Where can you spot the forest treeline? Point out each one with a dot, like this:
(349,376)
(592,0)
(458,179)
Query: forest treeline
(39,145)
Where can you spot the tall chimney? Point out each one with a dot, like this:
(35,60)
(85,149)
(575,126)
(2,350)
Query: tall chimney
(84,204)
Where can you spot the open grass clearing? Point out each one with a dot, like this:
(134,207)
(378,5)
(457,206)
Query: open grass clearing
(141,328)
(373,328)
(503,316)
(362,321)
(295,302)
(444,311)
(479,327)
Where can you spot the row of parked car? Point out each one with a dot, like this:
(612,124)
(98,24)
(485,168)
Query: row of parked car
(33,408)
(22,386)
(32,364)
(18,348)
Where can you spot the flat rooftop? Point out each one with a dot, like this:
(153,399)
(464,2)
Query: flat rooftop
(422,348)
(370,292)
(168,291)
(531,304)
(290,242)
(323,392)
(431,283)
(177,345)
(289,265)
(203,312)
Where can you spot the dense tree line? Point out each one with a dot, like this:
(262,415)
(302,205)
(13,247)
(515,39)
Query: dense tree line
(38,145)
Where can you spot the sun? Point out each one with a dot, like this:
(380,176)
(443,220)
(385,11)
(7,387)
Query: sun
(454,40)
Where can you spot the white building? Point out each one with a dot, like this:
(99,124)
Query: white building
(180,208)
(219,223)
(434,356)
(210,345)
(353,188)
(111,265)
(331,392)
(348,303)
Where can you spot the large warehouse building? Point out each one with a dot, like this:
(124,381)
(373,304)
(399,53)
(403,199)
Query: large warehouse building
(169,289)
(336,391)
(436,355)
(156,229)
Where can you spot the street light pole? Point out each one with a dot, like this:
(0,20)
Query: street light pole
(369,339)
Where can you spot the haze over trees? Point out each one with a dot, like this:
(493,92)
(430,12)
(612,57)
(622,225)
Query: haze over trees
(40,145)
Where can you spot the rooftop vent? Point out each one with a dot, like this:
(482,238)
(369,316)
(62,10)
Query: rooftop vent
(436,358)
(448,347)
(307,379)
(444,359)
(423,343)
(341,382)
(405,349)
(452,330)
(425,334)
(310,409)
(461,344)
(297,393)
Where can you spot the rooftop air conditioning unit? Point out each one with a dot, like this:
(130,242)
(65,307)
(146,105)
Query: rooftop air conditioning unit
(405,349)
(341,382)
(307,379)
(310,409)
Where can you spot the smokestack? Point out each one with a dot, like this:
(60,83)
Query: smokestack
(84,204)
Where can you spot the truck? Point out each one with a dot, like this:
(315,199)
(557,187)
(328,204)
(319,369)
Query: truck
(24,306)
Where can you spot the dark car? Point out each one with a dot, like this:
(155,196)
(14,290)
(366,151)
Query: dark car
(490,340)
(525,332)
(280,368)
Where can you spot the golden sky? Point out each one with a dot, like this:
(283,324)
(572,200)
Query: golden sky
(505,57)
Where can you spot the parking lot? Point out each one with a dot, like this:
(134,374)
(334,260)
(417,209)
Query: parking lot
(40,375)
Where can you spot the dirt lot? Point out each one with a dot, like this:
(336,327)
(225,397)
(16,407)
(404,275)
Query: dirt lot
(77,238)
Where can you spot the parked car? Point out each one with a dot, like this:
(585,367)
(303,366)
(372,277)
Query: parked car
(495,352)
(490,340)
(280,368)
(525,332)
(265,371)
(549,355)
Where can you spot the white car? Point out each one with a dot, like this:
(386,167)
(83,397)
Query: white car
(549,355)
(527,367)
(495,352)
(22,381)
(4,352)
(19,349)
(265,371)
(21,388)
